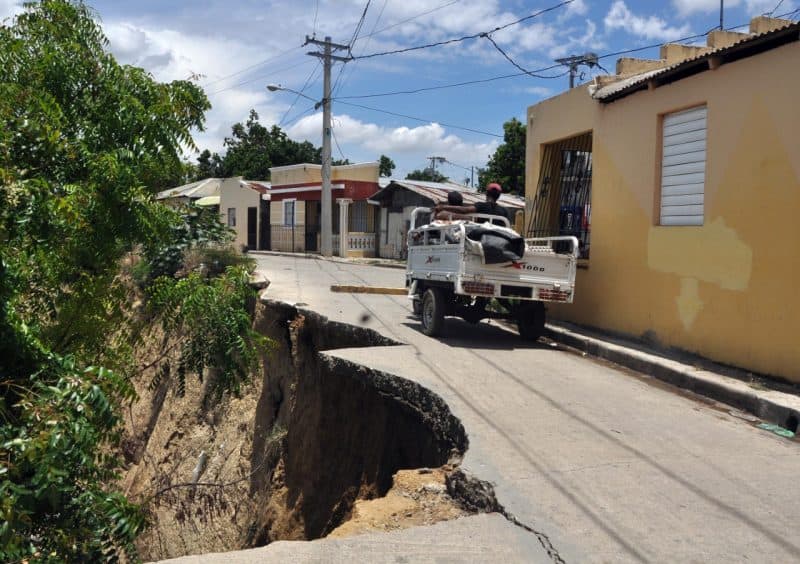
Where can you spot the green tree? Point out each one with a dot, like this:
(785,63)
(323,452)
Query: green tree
(208,166)
(507,165)
(386,166)
(84,142)
(252,149)
(426,174)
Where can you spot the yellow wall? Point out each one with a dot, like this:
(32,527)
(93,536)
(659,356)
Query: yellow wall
(312,173)
(725,290)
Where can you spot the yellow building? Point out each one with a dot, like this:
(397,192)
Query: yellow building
(681,177)
(296,212)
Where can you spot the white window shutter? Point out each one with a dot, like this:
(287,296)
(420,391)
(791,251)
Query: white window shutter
(683,167)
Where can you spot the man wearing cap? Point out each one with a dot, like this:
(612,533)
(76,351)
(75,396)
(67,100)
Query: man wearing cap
(489,207)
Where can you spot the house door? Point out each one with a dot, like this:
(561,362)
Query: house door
(252,227)
(313,220)
(264,227)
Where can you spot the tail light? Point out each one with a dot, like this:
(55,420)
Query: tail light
(554,295)
(478,288)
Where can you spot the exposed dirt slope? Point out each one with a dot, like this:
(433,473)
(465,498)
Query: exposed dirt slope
(288,459)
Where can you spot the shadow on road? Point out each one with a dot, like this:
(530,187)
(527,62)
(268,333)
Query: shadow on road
(459,333)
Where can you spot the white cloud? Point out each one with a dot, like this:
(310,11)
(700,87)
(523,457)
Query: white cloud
(757,7)
(406,145)
(649,27)
(9,8)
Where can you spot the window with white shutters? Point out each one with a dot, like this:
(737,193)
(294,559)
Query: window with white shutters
(683,167)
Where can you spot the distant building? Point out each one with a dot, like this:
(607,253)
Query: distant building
(398,199)
(685,172)
(295,213)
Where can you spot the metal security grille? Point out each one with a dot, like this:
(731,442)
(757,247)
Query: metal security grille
(563,203)
(683,167)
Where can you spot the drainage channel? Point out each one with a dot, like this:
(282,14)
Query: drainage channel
(290,459)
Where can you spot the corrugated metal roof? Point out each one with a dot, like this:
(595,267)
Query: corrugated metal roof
(437,191)
(198,189)
(745,47)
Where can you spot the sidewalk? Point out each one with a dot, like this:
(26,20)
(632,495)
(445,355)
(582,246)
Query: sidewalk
(771,401)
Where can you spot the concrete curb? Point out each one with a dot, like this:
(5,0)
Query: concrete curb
(384,263)
(772,406)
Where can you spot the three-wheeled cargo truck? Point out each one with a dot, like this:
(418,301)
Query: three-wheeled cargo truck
(480,268)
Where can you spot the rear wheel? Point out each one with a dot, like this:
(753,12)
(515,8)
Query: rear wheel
(530,321)
(416,305)
(433,308)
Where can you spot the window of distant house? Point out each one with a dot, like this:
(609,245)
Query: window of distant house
(231,217)
(358,216)
(683,167)
(288,213)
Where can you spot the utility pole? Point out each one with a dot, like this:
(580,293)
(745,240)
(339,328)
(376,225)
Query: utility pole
(721,15)
(327,56)
(572,62)
(434,160)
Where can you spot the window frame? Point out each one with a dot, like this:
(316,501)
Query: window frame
(292,201)
(659,200)
(231,217)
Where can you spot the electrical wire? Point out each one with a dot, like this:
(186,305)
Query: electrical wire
(421,119)
(297,117)
(510,60)
(396,24)
(254,65)
(539,70)
(316,11)
(339,85)
(300,92)
(775,9)
(333,134)
(467,37)
(261,77)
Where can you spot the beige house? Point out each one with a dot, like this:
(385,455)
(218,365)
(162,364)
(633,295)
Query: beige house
(295,212)
(685,171)
(244,206)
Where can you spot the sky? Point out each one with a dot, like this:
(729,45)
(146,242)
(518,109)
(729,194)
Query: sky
(235,48)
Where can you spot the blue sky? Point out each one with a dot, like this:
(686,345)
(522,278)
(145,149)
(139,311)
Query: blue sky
(237,47)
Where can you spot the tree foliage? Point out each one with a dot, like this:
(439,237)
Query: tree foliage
(507,165)
(84,143)
(386,166)
(252,149)
(426,174)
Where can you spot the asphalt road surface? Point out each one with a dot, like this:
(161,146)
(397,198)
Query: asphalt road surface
(605,464)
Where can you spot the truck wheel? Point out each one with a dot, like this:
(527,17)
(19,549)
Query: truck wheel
(416,305)
(433,308)
(530,321)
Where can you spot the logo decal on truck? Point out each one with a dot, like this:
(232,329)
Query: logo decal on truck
(524,266)
(432,259)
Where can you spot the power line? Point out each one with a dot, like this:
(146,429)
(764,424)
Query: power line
(300,92)
(510,60)
(409,19)
(260,77)
(466,37)
(316,11)
(358,26)
(421,119)
(540,70)
(775,8)
(341,153)
(254,65)
(337,85)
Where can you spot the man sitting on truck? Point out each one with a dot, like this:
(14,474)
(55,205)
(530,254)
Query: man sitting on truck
(489,207)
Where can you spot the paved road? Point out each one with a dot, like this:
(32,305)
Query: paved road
(610,466)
